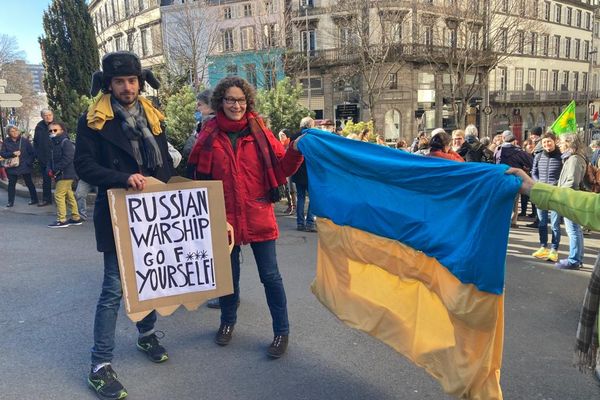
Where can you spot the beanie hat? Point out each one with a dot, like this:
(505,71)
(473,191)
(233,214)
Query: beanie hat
(537,131)
(508,136)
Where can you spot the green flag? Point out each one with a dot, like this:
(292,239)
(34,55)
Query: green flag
(565,123)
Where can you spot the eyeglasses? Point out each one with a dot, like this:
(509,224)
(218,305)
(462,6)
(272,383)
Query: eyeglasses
(232,100)
(53,130)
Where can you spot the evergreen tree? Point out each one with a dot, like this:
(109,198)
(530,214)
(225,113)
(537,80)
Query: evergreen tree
(180,116)
(70,56)
(280,106)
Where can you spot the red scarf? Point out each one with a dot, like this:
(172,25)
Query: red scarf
(201,155)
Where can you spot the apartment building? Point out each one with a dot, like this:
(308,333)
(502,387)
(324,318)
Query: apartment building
(133,25)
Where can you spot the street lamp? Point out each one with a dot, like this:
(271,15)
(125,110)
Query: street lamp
(587,97)
(307,45)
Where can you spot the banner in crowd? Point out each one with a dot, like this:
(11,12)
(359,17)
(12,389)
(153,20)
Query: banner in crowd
(566,121)
(412,251)
(172,245)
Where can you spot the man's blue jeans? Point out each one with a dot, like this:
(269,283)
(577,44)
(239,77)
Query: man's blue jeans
(575,241)
(107,310)
(266,261)
(554,226)
(302,191)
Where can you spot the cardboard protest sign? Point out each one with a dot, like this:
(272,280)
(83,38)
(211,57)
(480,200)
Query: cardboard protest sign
(172,245)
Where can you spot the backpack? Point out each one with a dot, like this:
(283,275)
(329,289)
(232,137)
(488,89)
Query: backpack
(591,178)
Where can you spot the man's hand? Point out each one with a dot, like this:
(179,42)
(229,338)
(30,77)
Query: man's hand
(17,153)
(295,142)
(136,181)
(526,181)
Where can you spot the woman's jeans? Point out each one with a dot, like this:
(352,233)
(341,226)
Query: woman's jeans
(575,242)
(266,261)
(107,310)
(12,184)
(302,191)
(554,226)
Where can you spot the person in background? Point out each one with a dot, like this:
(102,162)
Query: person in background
(571,176)
(476,151)
(290,189)
(547,166)
(339,131)
(380,140)
(582,208)
(304,222)
(458,143)
(441,146)
(595,146)
(496,142)
(327,125)
(205,114)
(529,146)
(238,149)
(364,135)
(3,175)
(17,146)
(41,145)
(401,144)
(60,168)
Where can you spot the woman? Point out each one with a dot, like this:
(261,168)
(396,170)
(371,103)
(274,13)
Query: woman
(547,166)
(441,146)
(17,146)
(237,148)
(364,135)
(571,176)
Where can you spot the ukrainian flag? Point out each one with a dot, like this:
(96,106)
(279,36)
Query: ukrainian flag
(411,250)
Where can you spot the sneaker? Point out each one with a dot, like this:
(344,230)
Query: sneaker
(9,205)
(542,253)
(552,255)
(301,228)
(58,224)
(149,345)
(224,334)
(278,346)
(565,264)
(75,221)
(105,383)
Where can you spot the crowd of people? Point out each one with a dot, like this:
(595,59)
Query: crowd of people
(233,144)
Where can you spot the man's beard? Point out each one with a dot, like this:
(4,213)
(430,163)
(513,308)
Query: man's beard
(127,104)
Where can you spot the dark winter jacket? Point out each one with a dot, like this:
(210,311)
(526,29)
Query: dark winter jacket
(105,159)
(477,152)
(62,153)
(513,156)
(41,142)
(248,208)
(301,176)
(547,167)
(25,159)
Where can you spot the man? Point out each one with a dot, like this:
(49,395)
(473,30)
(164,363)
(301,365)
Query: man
(304,222)
(327,125)
(120,141)
(476,151)
(512,155)
(458,142)
(41,145)
(595,146)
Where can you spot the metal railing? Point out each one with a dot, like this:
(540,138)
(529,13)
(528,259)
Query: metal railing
(536,96)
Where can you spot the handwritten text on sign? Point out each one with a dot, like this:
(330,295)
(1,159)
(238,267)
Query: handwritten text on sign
(171,241)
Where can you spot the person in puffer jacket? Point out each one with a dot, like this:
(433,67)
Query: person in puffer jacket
(547,166)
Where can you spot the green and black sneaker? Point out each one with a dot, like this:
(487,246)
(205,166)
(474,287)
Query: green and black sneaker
(104,382)
(155,352)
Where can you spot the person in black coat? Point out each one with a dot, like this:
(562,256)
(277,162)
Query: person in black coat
(42,144)
(119,153)
(17,146)
(304,222)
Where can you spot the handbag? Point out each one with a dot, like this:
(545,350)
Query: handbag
(13,161)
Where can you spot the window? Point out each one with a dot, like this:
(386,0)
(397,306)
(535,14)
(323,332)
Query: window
(270,7)
(567,47)
(586,50)
(127,8)
(533,44)
(578,18)
(270,75)
(428,36)
(227,14)
(569,15)
(557,12)
(545,45)
(231,69)
(577,49)
(395,30)
(575,82)
(547,10)
(142,5)
(503,78)
(345,37)
(118,44)
(452,38)
(106,14)
(247,10)
(247,38)
(393,81)
(227,40)
(520,42)
(309,40)
(503,40)
(556,46)
(474,40)
(544,80)
(315,83)
(531,76)
(114,10)
(555,80)
(145,35)
(588,21)
(504,6)
(130,40)
(306,3)
(251,76)
(584,81)
(518,79)
(565,81)
(270,35)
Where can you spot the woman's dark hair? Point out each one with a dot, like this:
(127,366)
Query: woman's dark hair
(204,96)
(61,124)
(440,141)
(216,101)
(401,144)
(549,135)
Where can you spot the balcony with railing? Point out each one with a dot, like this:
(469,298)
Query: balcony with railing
(536,96)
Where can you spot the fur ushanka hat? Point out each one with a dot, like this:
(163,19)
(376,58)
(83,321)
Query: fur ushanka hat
(121,63)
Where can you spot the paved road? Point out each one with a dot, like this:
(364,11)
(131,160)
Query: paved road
(51,280)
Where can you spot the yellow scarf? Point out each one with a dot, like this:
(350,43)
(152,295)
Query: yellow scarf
(101,111)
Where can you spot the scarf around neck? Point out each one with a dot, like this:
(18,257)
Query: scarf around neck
(201,156)
(135,126)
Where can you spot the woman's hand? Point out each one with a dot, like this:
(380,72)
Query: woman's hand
(526,181)
(17,153)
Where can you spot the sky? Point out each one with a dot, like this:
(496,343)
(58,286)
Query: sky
(23,20)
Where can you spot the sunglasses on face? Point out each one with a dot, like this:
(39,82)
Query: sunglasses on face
(53,130)
(232,100)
